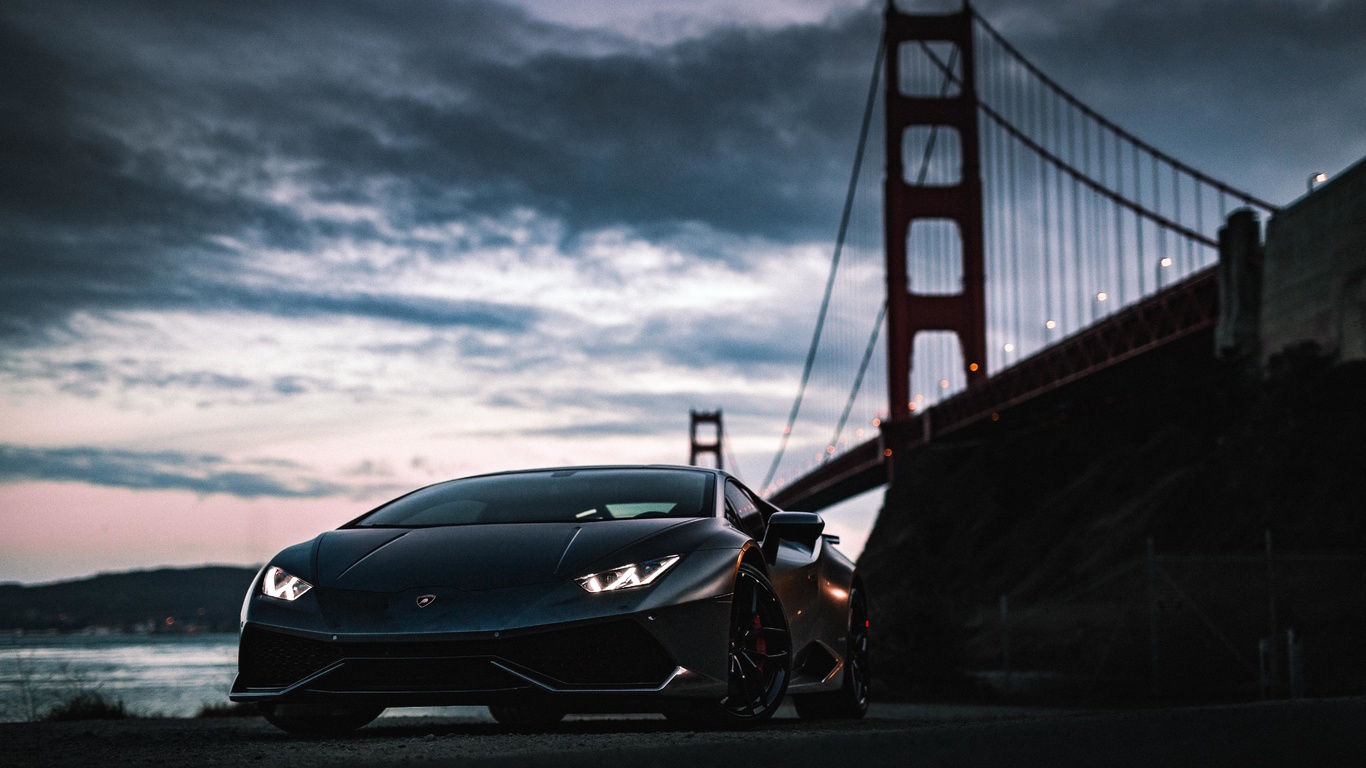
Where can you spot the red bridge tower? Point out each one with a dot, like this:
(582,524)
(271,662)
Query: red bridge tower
(909,313)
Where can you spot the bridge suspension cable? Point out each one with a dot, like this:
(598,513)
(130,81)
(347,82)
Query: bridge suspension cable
(834,261)
(921,175)
(1096,116)
(1080,219)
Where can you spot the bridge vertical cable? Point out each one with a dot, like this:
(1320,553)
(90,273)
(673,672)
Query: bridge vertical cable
(1095,217)
(870,349)
(834,263)
(1081,220)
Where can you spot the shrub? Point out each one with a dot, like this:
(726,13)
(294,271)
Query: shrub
(87,705)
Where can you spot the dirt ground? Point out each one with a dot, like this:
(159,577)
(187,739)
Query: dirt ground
(1303,733)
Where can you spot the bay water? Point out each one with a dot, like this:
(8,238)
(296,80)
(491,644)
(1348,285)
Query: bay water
(153,675)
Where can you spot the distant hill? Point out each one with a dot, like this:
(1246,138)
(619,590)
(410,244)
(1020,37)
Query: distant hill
(164,600)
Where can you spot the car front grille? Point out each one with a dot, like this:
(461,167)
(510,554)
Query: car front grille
(268,659)
(615,654)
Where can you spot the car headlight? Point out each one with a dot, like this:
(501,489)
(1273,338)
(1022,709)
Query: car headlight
(282,585)
(628,576)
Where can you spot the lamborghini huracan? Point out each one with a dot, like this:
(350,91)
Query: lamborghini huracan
(545,592)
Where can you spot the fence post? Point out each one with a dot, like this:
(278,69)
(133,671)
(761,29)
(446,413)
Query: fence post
(1274,670)
(1152,619)
(1294,659)
(1005,639)
(1265,650)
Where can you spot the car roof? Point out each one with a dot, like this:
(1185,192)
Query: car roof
(531,470)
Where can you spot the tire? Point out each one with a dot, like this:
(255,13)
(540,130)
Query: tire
(318,720)
(526,717)
(760,656)
(850,702)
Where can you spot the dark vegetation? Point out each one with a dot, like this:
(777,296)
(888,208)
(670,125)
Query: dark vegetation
(1053,507)
(206,599)
(88,705)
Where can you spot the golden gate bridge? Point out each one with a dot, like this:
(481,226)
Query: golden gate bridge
(1022,242)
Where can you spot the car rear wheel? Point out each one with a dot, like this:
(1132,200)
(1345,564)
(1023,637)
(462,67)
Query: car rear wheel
(526,717)
(851,700)
(318,720)
(759,654)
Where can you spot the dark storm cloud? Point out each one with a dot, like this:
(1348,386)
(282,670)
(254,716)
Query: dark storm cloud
(755,346)
(437,313)
(1257,92)
(88,378)
(31,297)
(138,136)
(162,470)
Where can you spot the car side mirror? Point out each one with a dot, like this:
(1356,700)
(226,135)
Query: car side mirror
(801,528)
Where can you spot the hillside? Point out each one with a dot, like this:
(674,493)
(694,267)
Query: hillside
(165,600)
(1054,508)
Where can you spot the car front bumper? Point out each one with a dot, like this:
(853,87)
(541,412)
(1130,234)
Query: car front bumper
(485,646)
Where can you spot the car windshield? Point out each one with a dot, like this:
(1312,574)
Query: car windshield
(559,496)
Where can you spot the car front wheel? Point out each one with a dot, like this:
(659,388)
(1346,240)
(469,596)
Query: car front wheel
(759,653)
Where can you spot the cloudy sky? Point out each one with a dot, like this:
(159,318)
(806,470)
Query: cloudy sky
(264,265)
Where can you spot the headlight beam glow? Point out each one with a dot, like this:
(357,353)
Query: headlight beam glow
(281,585)
(628,576)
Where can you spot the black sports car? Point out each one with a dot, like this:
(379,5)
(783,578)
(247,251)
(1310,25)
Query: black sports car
(544,592)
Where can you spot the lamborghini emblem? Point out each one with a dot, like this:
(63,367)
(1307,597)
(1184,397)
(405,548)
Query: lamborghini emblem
(425,600)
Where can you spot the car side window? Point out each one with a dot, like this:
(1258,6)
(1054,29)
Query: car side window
(743,508)
(766,509)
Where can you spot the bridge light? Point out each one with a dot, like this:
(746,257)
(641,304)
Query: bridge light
(1165,262)
(943,383)
(1316,178)
(1008,348)
(887,452)
(972,366)
(920,398)
(911,406)
(1102,296)
(877,422)
(995,417)
(858,432)
(829,449)
(1050,324)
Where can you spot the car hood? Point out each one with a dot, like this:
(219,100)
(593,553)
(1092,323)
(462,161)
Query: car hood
(476,557)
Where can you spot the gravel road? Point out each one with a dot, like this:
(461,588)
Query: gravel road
(1304,733)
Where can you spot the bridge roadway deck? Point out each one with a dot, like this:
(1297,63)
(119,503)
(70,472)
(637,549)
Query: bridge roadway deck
(1175,313)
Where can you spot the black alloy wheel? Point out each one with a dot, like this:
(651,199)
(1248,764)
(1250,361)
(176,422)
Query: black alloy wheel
(760,655)
(851,700)
(318,720)
(760,649)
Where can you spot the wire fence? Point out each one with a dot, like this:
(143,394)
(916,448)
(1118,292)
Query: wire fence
(1174,627)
